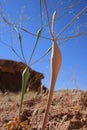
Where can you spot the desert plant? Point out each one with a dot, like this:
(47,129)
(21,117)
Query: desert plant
(55,63)
(55,60)
(55,57)
(25,74)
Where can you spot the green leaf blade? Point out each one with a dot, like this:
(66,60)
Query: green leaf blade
(21,48)
(38,36)
(25,77)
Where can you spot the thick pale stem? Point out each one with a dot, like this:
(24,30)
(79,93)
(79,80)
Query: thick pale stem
(55,67)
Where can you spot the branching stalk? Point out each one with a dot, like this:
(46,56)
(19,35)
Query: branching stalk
(78,15)
(11,49)
(41,56)
(38,36)
(49,24)
(41,14)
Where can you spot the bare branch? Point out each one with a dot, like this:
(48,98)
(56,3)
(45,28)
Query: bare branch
(22,28)
(48,17)
(33,34)
(73,36)
(4,43)
(79,14)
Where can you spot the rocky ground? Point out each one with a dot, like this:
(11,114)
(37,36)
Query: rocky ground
(68,111)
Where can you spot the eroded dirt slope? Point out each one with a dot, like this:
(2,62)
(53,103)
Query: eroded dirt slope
(68,110)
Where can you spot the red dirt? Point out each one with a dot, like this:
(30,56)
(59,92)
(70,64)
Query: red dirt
(68,111)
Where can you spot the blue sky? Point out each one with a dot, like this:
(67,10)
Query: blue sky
(73,72)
